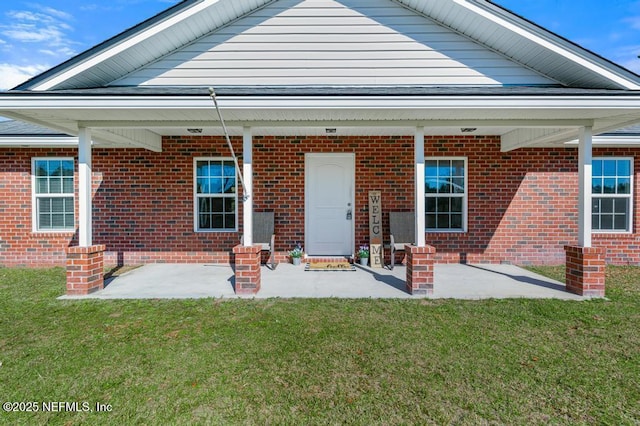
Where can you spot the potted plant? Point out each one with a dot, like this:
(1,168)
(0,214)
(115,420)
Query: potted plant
(296,254)
(363,255)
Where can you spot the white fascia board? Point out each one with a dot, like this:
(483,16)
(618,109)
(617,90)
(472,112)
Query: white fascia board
(611,141)
(364,122)
(123,45)
(37,141)
(102,139)
(545,39)
(13,103)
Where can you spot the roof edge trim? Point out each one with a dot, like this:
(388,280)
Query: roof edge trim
(617,74)
(78,63)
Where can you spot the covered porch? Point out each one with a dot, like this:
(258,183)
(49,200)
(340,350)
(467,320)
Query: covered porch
(527,120)
(451,281)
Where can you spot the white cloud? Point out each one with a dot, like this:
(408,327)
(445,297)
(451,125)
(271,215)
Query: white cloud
(633,21)
(55,12)
(91,6)
(33,34)
(11,75)
(23,15)
(627,56)
(40,29)
(632,63)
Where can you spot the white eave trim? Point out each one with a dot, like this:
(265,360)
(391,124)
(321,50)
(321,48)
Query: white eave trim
(611,141)
(320,102)
(492,13)
(35,141)
(122,46)
(553,43)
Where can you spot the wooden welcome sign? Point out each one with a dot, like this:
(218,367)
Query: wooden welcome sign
(375,229)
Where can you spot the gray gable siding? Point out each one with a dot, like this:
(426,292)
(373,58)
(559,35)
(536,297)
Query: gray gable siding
(326,42)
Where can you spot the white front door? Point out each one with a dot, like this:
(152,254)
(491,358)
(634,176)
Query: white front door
(329,209)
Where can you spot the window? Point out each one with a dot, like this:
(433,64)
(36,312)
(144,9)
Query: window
(53,192)
(446,194)
(215,194)
(612,192)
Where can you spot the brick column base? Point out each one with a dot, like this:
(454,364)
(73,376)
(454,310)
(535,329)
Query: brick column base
(420,269)
(85,269)
(585,271)
(247,269)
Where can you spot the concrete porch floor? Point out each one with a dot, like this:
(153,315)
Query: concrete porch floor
(186,281)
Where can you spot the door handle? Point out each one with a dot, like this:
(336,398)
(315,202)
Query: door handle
(349,214)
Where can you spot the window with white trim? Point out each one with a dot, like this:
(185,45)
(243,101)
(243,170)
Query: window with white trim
(53,194)
(446,194)
(612,194)
(215,197)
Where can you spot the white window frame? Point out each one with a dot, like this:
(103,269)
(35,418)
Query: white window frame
(196,196)
(465,196)
(630,196)
(35,196)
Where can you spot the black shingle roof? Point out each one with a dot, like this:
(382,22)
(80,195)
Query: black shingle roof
(20,128)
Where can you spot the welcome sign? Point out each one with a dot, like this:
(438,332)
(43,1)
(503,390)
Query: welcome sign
(375,229)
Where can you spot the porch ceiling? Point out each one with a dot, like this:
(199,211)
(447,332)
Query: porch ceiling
(537,117)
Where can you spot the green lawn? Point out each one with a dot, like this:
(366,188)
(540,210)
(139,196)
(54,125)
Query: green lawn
(320,361)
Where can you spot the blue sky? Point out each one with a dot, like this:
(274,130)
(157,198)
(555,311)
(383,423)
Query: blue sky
(36,35)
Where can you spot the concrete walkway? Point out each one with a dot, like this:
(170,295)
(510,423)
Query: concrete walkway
(184,281)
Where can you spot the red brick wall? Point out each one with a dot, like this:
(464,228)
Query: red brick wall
(521,204)
(18,245)
(382,163)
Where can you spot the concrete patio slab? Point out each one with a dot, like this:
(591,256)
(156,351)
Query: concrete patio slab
(186,281)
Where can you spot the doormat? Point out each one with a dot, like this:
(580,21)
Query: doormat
(341,265)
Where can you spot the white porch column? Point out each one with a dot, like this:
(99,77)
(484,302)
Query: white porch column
(247,172)
(585,161)
(85,220)
(419,190)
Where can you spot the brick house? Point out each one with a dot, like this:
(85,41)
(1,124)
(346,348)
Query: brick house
(476,119)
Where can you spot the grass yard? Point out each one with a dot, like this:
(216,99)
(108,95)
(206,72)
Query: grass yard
(319,361)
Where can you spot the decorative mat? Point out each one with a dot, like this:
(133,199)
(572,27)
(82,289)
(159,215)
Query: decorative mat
(330,266)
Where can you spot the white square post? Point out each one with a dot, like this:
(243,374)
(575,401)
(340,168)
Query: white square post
(585,167)
(85,220)
(247,172)
(419,190)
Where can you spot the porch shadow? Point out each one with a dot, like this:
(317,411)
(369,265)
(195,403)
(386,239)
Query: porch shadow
(232,278)
(523,278)
(390,280)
